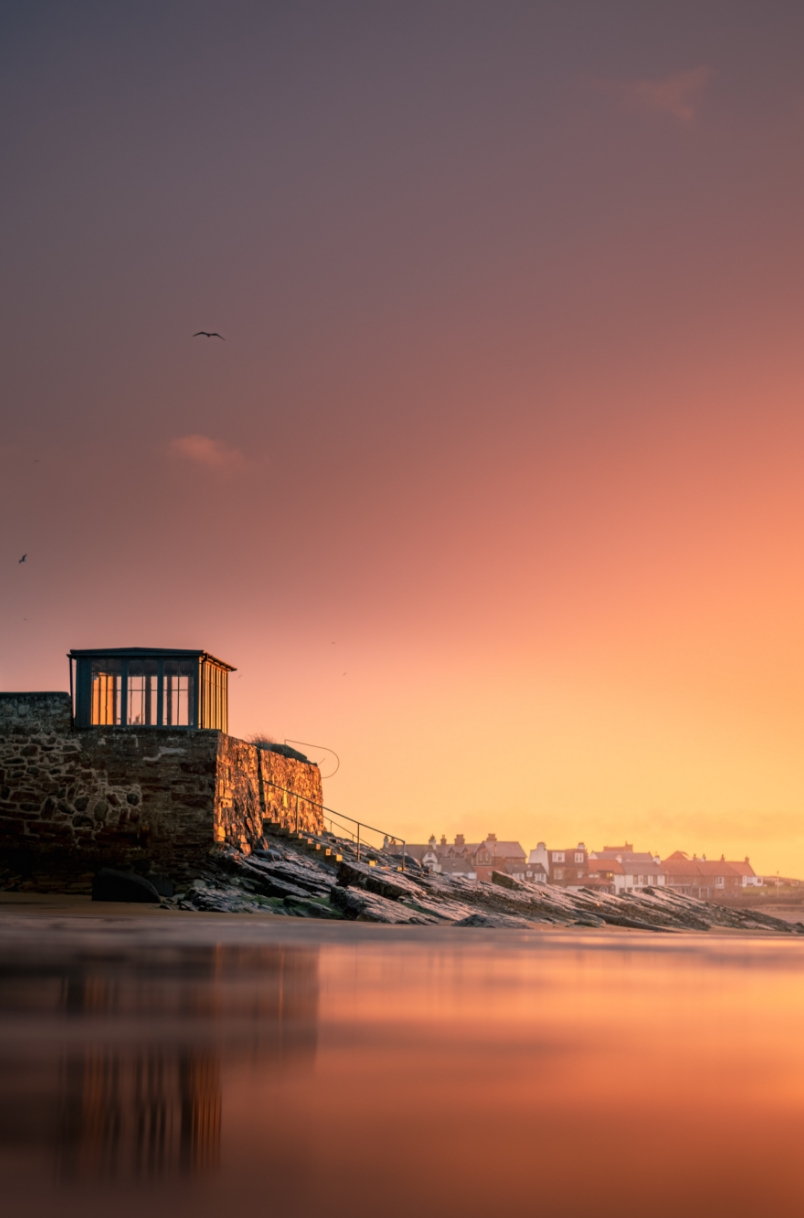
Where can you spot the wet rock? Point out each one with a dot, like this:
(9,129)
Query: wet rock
(361,906)
(504,881)
(206,897)
(272,876)
(164,886)
(495,921)
(268,854)
(389,884)
(305,908)
(272,886)
(110,885)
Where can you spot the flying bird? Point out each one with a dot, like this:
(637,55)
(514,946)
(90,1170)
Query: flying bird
(23,558)
(208,334)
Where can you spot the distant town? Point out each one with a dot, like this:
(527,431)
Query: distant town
(614,869)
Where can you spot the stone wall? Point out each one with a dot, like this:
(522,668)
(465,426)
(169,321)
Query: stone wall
(158,799)
(256,785)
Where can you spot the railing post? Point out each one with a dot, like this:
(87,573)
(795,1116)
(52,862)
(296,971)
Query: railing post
(358,841)
(403,855)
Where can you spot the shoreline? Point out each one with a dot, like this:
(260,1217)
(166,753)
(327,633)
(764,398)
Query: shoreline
(47,920)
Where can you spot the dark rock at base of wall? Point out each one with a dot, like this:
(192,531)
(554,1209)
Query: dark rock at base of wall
(110,885)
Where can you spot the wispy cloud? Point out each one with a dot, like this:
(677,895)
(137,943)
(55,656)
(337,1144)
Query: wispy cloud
(677,95)
(203,450)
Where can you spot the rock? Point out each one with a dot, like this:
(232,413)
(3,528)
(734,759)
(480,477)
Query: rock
(389,884)
(163,885)
(272,886)
(268,854)
(495,921)
(313,880)
(360,906)
(312,909)
(504,881)
(634,923)
(411,864)
(110,885)
(209,898)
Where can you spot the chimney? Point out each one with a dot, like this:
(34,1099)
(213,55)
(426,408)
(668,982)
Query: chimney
(491,837)
(747,859)
(459,841)
(581,846)
(443,840)
(431,840)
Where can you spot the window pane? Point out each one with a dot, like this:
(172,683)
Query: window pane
(142,692)
(106,692)
(179,688)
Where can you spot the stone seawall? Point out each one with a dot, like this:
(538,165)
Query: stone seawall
(255,785)
(157,799)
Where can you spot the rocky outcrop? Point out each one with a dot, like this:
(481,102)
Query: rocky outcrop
(322,877)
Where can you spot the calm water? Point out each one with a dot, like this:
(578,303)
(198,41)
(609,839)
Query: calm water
(212,1066)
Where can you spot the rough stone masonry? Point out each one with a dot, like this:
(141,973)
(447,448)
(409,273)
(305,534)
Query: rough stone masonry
(156,799)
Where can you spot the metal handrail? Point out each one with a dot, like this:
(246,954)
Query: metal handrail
(339,815)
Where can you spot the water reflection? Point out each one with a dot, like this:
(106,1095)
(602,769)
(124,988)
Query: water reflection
(116,1065)
(432,1071)
(138,1112)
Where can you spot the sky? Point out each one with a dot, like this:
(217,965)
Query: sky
(494,484)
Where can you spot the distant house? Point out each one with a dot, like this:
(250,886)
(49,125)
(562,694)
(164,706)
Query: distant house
(749,877)
(622,869)
(491,855)
(537,869)
(568,868)
(475,860)
(705,879)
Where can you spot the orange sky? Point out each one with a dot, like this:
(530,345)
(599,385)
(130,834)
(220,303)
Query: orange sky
(494,486)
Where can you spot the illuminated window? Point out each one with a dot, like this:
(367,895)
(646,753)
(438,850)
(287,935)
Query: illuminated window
(178,693)
(142,693)
(107,692)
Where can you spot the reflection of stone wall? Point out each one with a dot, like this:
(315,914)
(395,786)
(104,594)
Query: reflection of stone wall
(137,1086)
(129,1112)
(71,800)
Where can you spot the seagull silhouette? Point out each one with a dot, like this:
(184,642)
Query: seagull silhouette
(208,334)
(23,558)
